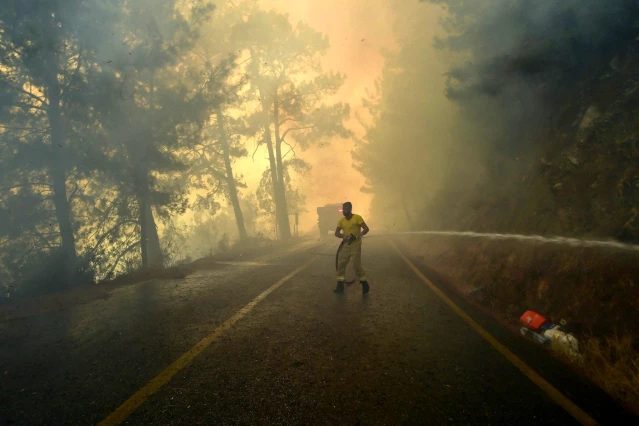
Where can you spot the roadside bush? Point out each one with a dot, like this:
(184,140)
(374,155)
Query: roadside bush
(44,273)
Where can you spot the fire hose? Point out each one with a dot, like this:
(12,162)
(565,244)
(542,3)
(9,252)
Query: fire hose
(351,238)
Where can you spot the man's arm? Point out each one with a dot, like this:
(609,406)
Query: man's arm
(365,229)
(339,234)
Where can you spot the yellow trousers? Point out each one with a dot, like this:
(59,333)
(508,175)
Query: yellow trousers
(348,253)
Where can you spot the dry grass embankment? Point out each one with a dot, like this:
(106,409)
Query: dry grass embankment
(596,291)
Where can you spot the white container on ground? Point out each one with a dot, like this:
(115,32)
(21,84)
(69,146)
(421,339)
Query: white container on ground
(563,342)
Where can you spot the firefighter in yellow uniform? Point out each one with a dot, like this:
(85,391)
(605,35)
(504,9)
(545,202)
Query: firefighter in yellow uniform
(351,225)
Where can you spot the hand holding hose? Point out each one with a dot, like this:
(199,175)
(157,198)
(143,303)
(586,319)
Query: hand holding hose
(352,238)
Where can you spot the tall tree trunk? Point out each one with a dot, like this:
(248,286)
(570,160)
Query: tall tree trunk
(142,218)
(58,169)
(279,193)
(226,149)
(279,188)
(149,240)
(156,258)
(63,216)
(278,139)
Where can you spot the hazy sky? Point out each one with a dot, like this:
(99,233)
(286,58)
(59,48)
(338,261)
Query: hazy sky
(357,30)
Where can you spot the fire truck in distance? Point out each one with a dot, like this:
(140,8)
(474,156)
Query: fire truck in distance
(327,218)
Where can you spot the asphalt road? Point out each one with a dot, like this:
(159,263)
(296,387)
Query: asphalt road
(302,355)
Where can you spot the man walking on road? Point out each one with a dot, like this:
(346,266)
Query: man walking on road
(350,229)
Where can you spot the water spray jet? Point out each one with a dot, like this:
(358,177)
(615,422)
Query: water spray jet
(572,242)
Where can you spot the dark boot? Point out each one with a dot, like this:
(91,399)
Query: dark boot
(365,287)
(339,288)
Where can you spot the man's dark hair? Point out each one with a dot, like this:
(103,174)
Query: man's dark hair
(347,204)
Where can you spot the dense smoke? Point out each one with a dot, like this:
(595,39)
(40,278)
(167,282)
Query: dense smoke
(526,57)
(524,78)
(129,129)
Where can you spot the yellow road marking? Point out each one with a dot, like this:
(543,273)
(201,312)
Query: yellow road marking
(131,404)
(581,416)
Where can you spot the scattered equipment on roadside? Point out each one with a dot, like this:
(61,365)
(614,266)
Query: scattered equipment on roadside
(556,337)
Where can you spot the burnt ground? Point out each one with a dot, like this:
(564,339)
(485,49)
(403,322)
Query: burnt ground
(303,356)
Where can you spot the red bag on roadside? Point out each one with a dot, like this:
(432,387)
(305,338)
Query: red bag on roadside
(532,320)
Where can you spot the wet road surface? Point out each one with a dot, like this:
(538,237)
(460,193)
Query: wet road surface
(302,355)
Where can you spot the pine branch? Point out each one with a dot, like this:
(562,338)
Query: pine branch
(296,128)
(24,92)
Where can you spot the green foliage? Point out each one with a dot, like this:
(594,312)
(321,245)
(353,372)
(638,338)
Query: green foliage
(43,272)
(127,109)
(286,76)
(113,114)
(296,201)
